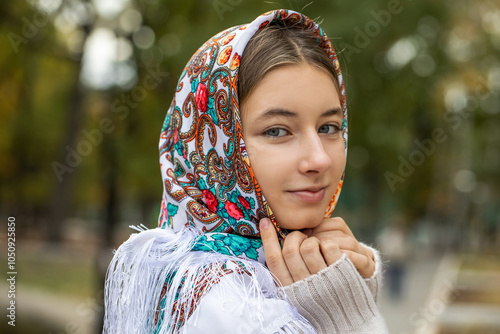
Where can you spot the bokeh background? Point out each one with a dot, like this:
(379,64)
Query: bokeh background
(84,87)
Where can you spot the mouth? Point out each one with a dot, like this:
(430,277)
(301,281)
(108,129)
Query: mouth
(309,195)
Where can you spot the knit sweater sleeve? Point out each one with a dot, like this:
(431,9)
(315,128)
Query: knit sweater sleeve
(338,300)
(374,282)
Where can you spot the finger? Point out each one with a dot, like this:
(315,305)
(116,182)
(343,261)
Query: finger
(368,253)
(332,234)
(293,259)
(361,257)
(272,252)
(351,244)
(311,254)
(330,250)
(364,265)
(345,243)
(333,224)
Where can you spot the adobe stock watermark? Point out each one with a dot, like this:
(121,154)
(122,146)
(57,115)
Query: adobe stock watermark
(222,6)
(425,148)
(31,27)
(425,316)
(119,107)
(11,271)
(363,37)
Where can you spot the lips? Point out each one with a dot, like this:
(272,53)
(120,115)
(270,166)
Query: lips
(309,195)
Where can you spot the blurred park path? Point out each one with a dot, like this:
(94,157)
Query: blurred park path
(419,276)
(449,294)
(40,311)
(57,287)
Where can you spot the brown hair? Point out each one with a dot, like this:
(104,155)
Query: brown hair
(277,45)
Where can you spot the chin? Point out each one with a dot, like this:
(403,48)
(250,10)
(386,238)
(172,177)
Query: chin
(300,221)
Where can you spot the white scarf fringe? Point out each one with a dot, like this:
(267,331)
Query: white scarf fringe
(141,265)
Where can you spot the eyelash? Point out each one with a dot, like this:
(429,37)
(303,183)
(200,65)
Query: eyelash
(267,132)
(335,127)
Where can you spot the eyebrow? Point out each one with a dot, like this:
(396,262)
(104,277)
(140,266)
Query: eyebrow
(273,112)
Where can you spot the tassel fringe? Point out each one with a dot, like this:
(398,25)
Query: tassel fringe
(155,282)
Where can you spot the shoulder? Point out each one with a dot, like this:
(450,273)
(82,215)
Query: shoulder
(244,301)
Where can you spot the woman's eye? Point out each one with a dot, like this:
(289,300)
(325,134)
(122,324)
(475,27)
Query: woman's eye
(276,132)
(328,129)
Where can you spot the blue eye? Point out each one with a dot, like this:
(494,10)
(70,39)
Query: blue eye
(276,132)
(328,129)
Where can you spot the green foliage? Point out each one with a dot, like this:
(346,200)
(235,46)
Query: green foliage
(400,60)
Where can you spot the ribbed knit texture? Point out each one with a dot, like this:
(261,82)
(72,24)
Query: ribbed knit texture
(339,300)
(375,282)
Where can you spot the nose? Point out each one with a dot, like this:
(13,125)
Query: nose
(315,158)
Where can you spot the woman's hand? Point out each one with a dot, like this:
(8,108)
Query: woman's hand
(335,230)
(305,254)
(301,257)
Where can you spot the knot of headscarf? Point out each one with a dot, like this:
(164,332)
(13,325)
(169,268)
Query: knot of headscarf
(207,178)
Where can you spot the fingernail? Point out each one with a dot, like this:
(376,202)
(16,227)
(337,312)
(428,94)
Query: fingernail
(264,224)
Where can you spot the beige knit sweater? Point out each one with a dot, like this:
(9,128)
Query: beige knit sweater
(339,300)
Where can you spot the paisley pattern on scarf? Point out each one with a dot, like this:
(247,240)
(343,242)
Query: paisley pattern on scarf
(211,274)
(207,177)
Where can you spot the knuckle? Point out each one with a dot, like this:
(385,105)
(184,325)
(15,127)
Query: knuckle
(330,245)
(288,252)
(273,260)
(342,225)
(362,262)
(292,243)
(338,221)
(309,246)
(366,262)
(352,243)
(296,235)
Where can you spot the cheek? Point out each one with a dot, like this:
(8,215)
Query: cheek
(266,163)
(271,169)
(338,157)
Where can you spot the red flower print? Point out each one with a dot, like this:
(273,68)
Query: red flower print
(244,202)
(201,97)
(233,210)
(210,200)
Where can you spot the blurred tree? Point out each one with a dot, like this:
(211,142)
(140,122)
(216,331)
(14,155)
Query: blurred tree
(422,80)
(70,152)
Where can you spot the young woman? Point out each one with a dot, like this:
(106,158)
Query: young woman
(252,154)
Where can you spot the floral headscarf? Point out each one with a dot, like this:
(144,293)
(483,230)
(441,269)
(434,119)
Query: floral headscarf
(207,178)
(155,281)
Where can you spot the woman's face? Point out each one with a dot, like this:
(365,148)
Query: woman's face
(292,128)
